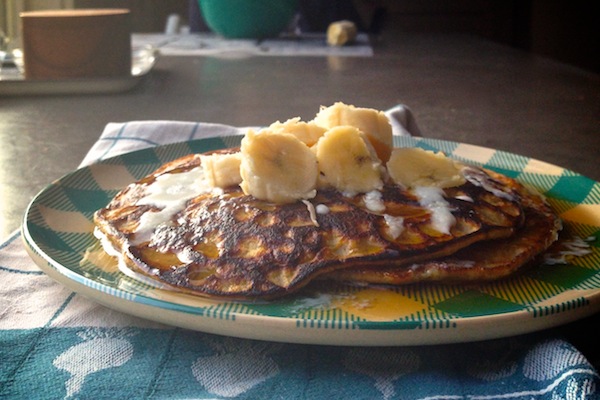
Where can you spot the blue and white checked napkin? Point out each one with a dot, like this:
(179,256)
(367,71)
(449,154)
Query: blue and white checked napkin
(55,344)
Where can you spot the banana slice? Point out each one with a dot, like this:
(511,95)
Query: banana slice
(277,167)
(413,167)
(373,123)
(222,170)
(348,162)
(308,132)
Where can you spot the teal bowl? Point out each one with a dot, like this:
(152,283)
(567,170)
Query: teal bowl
(252,19)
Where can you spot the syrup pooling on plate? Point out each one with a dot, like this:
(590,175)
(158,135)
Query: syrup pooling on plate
(227,224)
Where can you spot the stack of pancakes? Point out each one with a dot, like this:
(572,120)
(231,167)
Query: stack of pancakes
(226,243)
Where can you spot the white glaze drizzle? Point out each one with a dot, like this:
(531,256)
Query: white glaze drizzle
(575,247)
(432,198)
(395,225)
(374,202)
(311,212)
(169,193)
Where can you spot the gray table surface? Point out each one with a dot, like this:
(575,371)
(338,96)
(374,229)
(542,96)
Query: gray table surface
(460,88)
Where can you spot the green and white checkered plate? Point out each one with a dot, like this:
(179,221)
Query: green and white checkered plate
(57,231)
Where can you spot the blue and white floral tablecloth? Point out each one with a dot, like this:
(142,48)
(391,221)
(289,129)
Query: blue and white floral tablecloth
(55,344)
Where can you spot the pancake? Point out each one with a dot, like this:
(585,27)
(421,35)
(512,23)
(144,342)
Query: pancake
(483,261)
(225,243)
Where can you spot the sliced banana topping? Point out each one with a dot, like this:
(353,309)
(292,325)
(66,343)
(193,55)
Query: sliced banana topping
(344,147)
(348,162)
(308,132)
(277,167)
(373,123)
(222,170)
(414,167)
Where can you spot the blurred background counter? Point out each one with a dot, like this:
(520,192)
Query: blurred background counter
(564,30)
